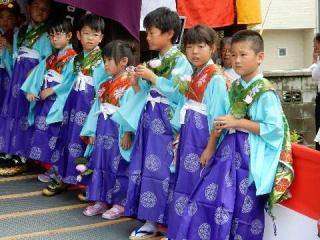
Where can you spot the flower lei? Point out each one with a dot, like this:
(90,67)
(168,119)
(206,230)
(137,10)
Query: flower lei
(28,38)
(57,63)
(112,91)
(82,168)
(165,66)
(241,100)
(87,64)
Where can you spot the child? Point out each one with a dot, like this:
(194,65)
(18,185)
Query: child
(226,59)
(229,201)
(112,142)
(149,172)
(30,45)
(205,98)
(9,12)
(75,98)
(40,86)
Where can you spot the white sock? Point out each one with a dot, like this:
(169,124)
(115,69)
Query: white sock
(149,226)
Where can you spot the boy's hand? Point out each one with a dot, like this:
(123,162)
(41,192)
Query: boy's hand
(126,141)
(91,140)
(46,93)
(31,97)
(145,73)
(206,156)
(226,121)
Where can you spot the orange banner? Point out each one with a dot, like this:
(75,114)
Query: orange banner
(248,12)
(305,189)
(214,13)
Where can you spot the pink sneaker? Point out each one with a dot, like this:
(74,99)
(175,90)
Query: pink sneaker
(96,209)
(115,212)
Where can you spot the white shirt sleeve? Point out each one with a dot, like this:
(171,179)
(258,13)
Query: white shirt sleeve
(315,70)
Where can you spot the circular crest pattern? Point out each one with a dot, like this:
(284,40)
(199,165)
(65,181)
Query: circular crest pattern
(80,118)
(211,192)
(2,142)
(197,120)
(52,142)
(136,177)
(148,199)
(40,123)
(55,156)
(256,227)
(35,153)
(108,142)
(204,231)
(75,150)
(180,205)
(221,216)
(192,209)
(157,126)
(152,163)
(243,186)
(247,204)
(192,162)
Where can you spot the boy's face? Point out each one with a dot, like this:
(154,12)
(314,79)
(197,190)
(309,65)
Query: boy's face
(158,40)
(226,55)
(89,38)
(8,21)
(59,39)
(199,53)
(39,11)
(245,61)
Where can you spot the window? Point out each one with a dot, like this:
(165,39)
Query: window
(282,52)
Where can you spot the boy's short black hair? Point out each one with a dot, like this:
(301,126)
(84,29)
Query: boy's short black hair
(49,1)
(60,25)
(317,37)
(251,36)
(165,20)
(92,21)
(200,34)
(117,50)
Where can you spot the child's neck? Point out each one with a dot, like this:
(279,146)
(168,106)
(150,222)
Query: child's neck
(34,24)
(89,50)
(63,48)
(248,77)
(115,76)
(165,49)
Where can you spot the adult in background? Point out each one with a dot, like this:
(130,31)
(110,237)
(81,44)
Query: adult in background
(315,69)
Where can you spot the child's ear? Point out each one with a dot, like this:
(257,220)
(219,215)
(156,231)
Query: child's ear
(170,34)
(101,38)
(124,61)
(69,36)
(260,56)
(78,35)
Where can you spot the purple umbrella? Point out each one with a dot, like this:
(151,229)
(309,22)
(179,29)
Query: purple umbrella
(126,12)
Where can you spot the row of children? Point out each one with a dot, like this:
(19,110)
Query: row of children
(167,142)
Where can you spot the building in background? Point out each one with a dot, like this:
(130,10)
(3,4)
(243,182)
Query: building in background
(288,30)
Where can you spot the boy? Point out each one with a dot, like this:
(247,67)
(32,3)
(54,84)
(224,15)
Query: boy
(233,193)
(74,100)
(30,46)
(152,150)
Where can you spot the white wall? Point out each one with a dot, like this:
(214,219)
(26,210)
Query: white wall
(289,14)
(299,44)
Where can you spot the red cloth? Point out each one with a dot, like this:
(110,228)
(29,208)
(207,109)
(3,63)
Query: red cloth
(214,13)
(305,189)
